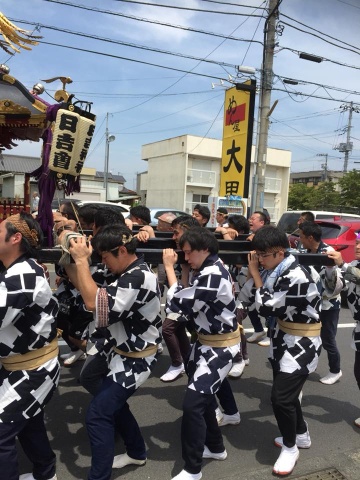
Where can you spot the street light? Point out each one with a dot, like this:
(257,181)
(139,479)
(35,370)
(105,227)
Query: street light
(108,139)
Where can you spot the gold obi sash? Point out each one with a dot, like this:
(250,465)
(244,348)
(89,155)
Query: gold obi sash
(300,329)
(142,354)
(220,340)
(32,359)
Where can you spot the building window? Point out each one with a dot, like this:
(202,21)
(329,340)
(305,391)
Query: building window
(203,199)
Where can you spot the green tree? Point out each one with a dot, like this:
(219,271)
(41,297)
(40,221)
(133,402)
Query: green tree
(350,189)
(325,197)
(299,196)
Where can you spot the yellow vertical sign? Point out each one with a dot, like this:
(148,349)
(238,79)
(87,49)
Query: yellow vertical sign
(237,140)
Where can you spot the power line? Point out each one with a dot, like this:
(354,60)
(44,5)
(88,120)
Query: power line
(234,4)
(126,44)
(308,95)
(129,59)
(322,33)
(176,7)
(342,64)
(317,36)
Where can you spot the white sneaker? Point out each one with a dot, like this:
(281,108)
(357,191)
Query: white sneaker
(123,459)
(303,440)
(184,475)
(237,369)
(247,362)
(219,415)
(30,476)
(256,336)
(214,456)
(287,460)
(229,419)
(64,356)
(173,373)
(265,342)
(331,378)
(357,422)
(74,357)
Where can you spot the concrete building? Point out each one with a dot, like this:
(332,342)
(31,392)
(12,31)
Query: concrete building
(314,177)
(185,170)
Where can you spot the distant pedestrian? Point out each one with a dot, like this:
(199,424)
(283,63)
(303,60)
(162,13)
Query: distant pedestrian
(35,202)
(222,217)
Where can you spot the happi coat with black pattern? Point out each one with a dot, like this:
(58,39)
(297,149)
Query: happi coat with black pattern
(132,319)
(351,274)
(27,322)
(293,298)
(208,301)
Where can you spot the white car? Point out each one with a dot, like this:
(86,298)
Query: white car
(116,206)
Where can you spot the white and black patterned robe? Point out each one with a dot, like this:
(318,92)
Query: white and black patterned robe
(351,274)
(295,298)
(133,323)
(27,311)
(208,301)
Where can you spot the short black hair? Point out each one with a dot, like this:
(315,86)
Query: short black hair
(112,236)
(311,229)
(239,223)
(308,216)
(70,209)
(108,216)
(264,217)
(87,213)
(142,212)
(186,221)
(222,210)
(269,237)
(200,238)
(203,210)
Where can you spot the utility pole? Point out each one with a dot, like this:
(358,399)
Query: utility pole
(264,101)
(347,147)
(106,162)
(108,139)
(324,165)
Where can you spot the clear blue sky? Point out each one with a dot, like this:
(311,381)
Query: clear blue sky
(148,103)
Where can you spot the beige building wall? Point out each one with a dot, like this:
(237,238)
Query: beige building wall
(184,169)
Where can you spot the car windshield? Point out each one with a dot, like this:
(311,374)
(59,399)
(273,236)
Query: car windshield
(332,231)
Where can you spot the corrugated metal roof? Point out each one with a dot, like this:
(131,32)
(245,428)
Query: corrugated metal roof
(116,178)
(18,163)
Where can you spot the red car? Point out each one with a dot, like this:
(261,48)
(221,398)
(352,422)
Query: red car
(340,235)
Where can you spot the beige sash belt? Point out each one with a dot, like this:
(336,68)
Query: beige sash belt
(220,340)
(31,360)
(142,354)
(300,329)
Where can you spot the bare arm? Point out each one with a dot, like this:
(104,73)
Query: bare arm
(84,281)
(169,260)
(253,269)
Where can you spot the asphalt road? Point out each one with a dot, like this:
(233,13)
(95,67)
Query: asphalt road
(329,410)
